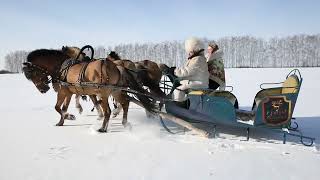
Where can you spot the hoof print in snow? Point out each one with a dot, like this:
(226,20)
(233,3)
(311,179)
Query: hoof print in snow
(285,153)
(58,152)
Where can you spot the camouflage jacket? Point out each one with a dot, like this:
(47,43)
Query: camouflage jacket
(216,67)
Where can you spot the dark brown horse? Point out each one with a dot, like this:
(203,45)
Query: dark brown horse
(44,63)
(148,73)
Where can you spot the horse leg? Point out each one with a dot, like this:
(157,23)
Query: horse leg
(117,102)
(60,100)
(65,108)
(156,90)
(117,110)
(117,106)
(121,98)
(125,106)
(78,105)
(107,112)
(97,106)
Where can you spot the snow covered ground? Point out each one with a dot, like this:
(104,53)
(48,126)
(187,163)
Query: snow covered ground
(32,148)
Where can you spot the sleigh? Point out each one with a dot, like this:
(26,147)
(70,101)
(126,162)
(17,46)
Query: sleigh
(272,108)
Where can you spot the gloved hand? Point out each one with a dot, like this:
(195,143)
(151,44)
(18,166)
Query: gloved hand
(176,83)
(164,68)
(171,70)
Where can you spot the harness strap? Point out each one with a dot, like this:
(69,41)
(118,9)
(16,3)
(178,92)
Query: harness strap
(65,68)
(82,72)
(102,62)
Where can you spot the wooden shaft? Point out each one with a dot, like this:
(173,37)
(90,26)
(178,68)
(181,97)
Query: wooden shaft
(184,123)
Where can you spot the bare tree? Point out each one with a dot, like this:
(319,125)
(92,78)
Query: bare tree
(14,60)
(239,51)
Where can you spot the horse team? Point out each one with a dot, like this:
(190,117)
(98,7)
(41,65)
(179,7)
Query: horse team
(98,78)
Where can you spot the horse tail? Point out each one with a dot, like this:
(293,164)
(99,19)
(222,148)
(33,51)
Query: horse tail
(157,90)
(146,102)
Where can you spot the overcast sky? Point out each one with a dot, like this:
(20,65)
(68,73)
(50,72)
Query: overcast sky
(33,24)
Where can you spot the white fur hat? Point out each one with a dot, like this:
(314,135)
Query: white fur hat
(193,44)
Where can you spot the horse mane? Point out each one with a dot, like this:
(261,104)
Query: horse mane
(43,53)
(114,55)
(73,52)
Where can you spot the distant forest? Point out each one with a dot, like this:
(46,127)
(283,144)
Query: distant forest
(239,52)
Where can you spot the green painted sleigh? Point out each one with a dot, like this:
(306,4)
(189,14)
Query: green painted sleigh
(272,108)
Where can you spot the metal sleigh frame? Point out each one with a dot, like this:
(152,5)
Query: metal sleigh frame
(215,108)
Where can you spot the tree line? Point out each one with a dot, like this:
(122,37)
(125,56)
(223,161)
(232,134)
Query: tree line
(239,52)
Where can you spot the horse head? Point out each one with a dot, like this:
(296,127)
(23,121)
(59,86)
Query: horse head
(42,64)
(37,76)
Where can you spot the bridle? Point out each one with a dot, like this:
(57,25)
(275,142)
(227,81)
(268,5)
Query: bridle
(31,70)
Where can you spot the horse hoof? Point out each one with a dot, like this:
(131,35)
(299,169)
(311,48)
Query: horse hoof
(102,130)
(59,124)
(84,98)
(70,117)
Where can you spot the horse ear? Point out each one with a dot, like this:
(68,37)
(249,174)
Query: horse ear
(26,64)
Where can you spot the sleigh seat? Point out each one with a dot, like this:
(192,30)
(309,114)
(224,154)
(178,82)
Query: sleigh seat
(266,99)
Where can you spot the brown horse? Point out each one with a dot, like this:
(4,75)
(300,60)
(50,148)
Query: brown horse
(149,74)
(44,63)
(75,52)
(118,106)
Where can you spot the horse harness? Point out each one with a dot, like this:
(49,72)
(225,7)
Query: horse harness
(56,78)
(69,63)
